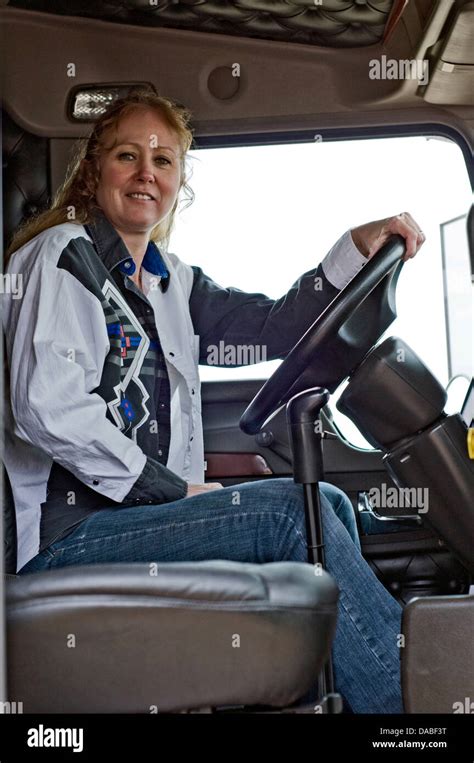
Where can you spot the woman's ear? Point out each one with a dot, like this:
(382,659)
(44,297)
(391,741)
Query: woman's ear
(91,164)
(91,177)
(85,166)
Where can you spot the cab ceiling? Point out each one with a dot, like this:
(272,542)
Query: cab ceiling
(332,23)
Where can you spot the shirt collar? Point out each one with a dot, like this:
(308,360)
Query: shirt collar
(113,251)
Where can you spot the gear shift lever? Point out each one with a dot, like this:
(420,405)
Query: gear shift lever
(305,432)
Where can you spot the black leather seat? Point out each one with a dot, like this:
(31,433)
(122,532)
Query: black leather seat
(117,639)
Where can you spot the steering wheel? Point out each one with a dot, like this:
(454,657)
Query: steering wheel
(339,338)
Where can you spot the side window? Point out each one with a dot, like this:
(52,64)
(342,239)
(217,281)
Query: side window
(263,215)
(458,298)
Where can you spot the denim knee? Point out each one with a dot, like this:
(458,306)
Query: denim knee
(288,519)
(39,563)
(342,507)
(334,503)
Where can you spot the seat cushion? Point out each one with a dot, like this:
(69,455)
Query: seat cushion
(167,636)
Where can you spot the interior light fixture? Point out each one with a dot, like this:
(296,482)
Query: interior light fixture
(88,103)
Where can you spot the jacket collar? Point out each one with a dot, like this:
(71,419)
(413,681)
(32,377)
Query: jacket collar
(113,251)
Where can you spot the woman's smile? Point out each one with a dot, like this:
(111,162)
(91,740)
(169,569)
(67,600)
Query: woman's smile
(140,197)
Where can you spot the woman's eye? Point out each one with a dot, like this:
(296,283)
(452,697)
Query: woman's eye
(127,156)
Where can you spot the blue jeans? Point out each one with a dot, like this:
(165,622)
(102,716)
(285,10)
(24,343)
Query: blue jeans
(260,522)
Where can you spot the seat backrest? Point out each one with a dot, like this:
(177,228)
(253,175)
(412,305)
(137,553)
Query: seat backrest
(9,526)
(26,191)
(7,512)
(26,188)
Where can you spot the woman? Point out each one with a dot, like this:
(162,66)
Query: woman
(105,428)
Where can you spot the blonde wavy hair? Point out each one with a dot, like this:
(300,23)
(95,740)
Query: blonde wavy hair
(82,177)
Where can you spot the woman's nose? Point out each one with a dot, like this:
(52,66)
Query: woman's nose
(145,171)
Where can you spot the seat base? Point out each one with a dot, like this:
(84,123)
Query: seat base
(118,639)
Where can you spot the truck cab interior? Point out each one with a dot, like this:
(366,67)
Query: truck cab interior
(271,84)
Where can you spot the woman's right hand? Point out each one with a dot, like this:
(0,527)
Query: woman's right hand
(196,489)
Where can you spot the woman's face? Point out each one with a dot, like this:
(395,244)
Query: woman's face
(145,160)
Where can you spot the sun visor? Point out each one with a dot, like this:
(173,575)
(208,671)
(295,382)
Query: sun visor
(452,62)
